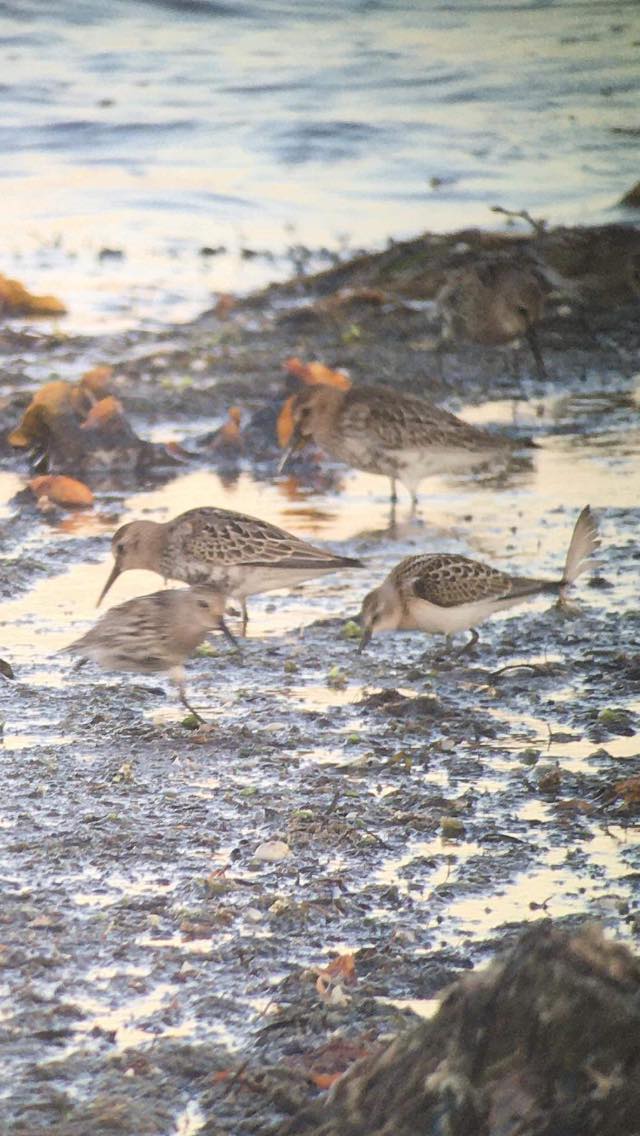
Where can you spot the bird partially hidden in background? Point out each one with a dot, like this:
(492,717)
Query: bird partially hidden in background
(227,441)
(155,633)
(445,593)
(494,301)
(381,430)
(237,554)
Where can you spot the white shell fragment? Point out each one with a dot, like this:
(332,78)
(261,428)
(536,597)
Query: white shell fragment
(272,851)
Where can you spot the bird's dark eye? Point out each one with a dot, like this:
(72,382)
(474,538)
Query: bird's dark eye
(204,604)
(120,548)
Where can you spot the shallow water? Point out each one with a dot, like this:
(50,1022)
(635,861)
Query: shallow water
(525,534)
(154,129)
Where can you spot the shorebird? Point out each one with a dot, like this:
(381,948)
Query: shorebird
(444,593)
(494,301)
(155,633)
(384,431)
(236,554)
(227,440)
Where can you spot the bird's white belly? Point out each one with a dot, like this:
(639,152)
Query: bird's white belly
(449,459)
(448,620)
(247,581)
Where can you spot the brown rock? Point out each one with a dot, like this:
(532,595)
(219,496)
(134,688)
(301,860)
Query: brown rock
(544,1042)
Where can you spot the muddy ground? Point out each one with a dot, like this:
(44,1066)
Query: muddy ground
(155,976)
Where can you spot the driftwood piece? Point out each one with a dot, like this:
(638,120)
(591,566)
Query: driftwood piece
(545,1042)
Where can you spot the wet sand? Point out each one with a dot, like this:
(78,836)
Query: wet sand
(157,978)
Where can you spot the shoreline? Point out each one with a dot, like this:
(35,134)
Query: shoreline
(161,978)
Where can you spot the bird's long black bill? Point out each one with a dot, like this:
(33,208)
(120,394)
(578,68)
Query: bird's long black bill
(229,636)
(115,572)
(286,457)
(297,443)
(364,642)
(532,340)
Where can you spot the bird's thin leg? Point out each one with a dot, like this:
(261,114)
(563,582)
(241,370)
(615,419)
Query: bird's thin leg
(511,357)
(414,504)
(440,350)
(470,644)
(393,500)
(185,702)
(532,340)
(178,677)
(228,634)
(245,617)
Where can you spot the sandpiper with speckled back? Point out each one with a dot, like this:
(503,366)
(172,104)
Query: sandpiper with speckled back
(237,554)
(494,301)
(445,593)
(381,430)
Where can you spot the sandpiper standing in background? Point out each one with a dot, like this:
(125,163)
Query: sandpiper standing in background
(494,301)
(155,633)
(444,593)
(236,554)
(381,430)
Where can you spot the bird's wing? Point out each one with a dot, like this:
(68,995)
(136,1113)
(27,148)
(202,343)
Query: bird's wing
(219,536)
(403,421)
(127,627)
(449,580)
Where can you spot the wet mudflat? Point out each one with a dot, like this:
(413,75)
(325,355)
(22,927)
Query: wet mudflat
(157,975)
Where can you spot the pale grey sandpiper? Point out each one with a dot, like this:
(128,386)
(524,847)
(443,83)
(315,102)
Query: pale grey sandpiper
(155,633)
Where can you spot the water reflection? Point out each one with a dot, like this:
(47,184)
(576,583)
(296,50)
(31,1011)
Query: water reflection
(527,533)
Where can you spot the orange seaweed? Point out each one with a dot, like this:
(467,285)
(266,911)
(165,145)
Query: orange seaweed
(325,1080)
(314,373)
(62,491)
(105,410)
(48,402)
(97,379)
(16,300)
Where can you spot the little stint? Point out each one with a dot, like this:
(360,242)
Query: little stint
(236,554)
(444,593)
(381,430)
(495,301)
(155,633)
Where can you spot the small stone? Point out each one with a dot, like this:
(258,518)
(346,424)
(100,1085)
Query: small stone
(272,852)
(451,827)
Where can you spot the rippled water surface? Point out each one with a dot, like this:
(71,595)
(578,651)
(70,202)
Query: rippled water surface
(153,130)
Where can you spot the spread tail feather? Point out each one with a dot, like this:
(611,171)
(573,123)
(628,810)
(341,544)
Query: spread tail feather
(584,542)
